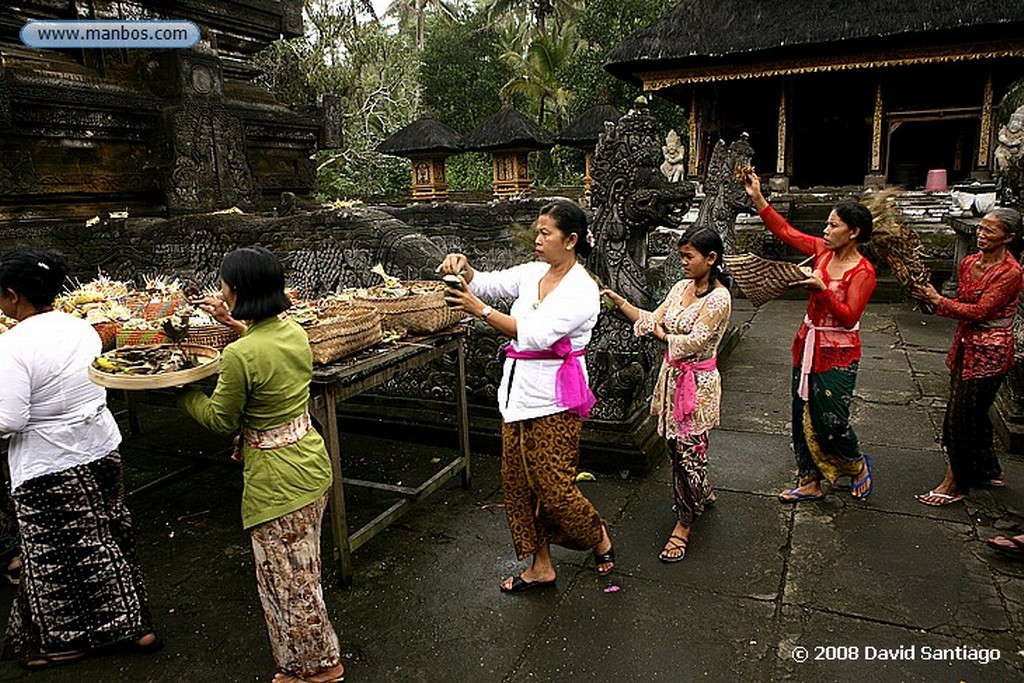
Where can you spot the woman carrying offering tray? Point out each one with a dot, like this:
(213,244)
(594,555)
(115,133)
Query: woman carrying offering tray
(263,389)
(691,321)
(65,481)
(826,352)
(543,396)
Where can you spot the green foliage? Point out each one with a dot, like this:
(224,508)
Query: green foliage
(461,73)
(470,171)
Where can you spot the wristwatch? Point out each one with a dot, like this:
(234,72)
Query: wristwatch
(487,310)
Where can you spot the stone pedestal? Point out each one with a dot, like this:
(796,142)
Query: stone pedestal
(874,181)
(779,183)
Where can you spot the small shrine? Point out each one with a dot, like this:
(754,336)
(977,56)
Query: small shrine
(509,137)
(427,143)
(584,132)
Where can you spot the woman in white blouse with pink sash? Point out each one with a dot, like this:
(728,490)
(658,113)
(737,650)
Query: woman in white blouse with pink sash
(543,396)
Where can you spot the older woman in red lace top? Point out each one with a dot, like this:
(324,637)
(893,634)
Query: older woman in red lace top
(988,287)
(826,352)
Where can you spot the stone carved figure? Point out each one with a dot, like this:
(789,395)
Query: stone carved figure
(1011,142)
(630,198)
(674,166)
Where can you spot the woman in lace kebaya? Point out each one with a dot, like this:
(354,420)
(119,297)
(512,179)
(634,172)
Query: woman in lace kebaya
(692,321)
(543,394)
(826,351)
(988,287)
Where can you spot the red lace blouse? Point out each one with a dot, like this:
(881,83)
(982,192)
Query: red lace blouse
(840,304)
(985,307)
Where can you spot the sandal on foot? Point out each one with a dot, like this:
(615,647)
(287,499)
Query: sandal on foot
(130,647)
(1016,549)
(944,499)
(519,584)
(995,483)
(674,545)
(862,479)
(608,557)
(794,496)
(52,660)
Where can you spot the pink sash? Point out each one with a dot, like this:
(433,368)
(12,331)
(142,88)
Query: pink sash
(571,390)
(807,360)
(686,388)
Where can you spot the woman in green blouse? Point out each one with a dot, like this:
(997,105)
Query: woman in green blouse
(263,390)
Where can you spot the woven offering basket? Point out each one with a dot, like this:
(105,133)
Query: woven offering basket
(209,363)
(761,279)
(217,336)
(351,329)
(421,311)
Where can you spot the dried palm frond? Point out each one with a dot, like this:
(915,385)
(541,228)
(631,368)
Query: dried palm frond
(896,244)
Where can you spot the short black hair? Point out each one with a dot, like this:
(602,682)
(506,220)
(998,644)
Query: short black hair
(570,219)
(257,278)
(35,274)
(856,215)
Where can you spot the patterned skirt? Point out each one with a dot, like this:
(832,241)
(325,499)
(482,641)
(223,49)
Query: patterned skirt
(967,430)
(825,444)
(543,503)
(81,585)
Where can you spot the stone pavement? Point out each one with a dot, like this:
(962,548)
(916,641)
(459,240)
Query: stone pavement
(842,581)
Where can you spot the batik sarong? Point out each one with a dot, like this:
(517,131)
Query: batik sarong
(81,584)
(967,429)
(543,503)
(690,487)
(825,444)
(286,551)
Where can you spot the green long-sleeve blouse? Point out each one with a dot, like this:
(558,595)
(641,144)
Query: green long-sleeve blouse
(264,384)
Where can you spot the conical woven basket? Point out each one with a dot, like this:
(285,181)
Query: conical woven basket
(762,279)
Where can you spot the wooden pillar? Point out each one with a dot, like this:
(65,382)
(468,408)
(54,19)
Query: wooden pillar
(982,171)
(694,135)
(875,176)
(588,160)
(780,181)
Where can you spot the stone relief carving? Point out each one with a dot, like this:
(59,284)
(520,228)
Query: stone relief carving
(1008,159)
(631,198)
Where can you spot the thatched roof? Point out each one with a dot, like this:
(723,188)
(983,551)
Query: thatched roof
(508,129)
(588,126)
(423,136)
(697,31)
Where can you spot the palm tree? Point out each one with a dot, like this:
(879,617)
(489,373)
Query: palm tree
(538,73)
(539,10)
(409,11)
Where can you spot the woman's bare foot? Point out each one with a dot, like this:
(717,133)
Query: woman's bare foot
(604,553)
(534,574)
(809,489)
(335,674)
(675,547)
(944,494)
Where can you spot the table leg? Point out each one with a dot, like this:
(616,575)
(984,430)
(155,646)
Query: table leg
(131,405)
(463,414)
(338,519)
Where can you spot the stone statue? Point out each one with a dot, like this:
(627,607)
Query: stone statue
(631,198)
(1011,142)
(674,166)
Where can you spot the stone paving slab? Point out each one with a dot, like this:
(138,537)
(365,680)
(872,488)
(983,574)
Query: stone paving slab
(755,412)
(841,648)
(902,426)
(650,631)
(923,573)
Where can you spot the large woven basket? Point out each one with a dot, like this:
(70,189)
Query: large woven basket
(218,336)
(761,279)
(209,363)
(352,329)
(422,311)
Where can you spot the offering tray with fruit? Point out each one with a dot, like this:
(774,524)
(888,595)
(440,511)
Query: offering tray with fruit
(154,367)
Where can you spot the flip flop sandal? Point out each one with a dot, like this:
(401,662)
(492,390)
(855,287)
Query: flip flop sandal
(675,543)
(996,483)
(519,585)
(794,496)
(605,558)
(944,499)
(51,660)
(1014,550)
(860,481)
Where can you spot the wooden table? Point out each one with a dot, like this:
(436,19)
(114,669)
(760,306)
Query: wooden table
(342,380)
